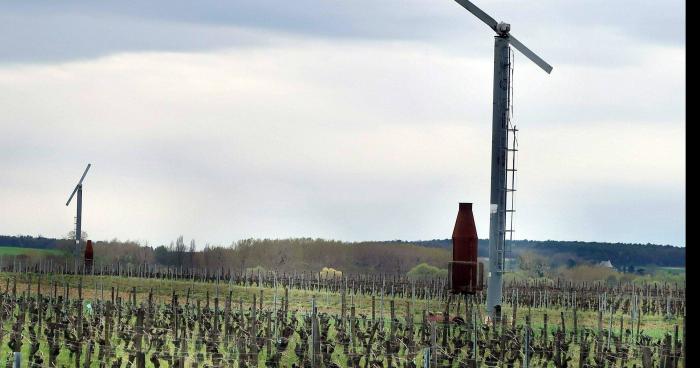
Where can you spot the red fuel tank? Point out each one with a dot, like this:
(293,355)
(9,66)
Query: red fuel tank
(464,238)
(465,274)
(88,256)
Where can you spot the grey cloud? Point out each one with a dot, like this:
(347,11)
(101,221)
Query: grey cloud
(305,128)
(571,32)
(65,37)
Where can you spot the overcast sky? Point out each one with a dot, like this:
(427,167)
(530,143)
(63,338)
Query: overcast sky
(354,120)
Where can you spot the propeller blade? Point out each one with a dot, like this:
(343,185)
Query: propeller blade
(80,182)
(85,173)
(479,13)
(72,194)
(529,54)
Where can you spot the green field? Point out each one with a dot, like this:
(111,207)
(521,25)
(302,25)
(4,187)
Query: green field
(30,252)
(674,270)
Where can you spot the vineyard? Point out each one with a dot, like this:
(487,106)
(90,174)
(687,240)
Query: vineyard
(149,316)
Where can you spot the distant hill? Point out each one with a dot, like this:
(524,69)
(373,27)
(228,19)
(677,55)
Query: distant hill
(26,241)
(619,254)
(364,254)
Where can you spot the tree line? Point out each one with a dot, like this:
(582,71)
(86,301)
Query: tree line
(397,257)
(619,254)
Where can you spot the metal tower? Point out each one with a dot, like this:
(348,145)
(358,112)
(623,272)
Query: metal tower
(500,149)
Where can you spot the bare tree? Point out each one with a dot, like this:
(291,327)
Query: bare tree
(191,252)
(71,235)
(180,249)
(75,248)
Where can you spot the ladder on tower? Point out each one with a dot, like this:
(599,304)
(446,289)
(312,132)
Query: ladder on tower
(511,169)
(76,243)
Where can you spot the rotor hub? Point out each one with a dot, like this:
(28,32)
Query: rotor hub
(503,28)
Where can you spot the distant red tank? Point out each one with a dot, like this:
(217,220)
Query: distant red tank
(465,272)
(88,256)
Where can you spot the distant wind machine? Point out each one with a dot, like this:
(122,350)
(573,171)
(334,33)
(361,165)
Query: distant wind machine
(78,217)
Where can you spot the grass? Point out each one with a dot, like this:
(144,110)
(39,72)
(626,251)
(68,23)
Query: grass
(30,252)
(673,270)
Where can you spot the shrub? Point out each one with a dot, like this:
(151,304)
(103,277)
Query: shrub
(425,270)
(535,264)
(330,273)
